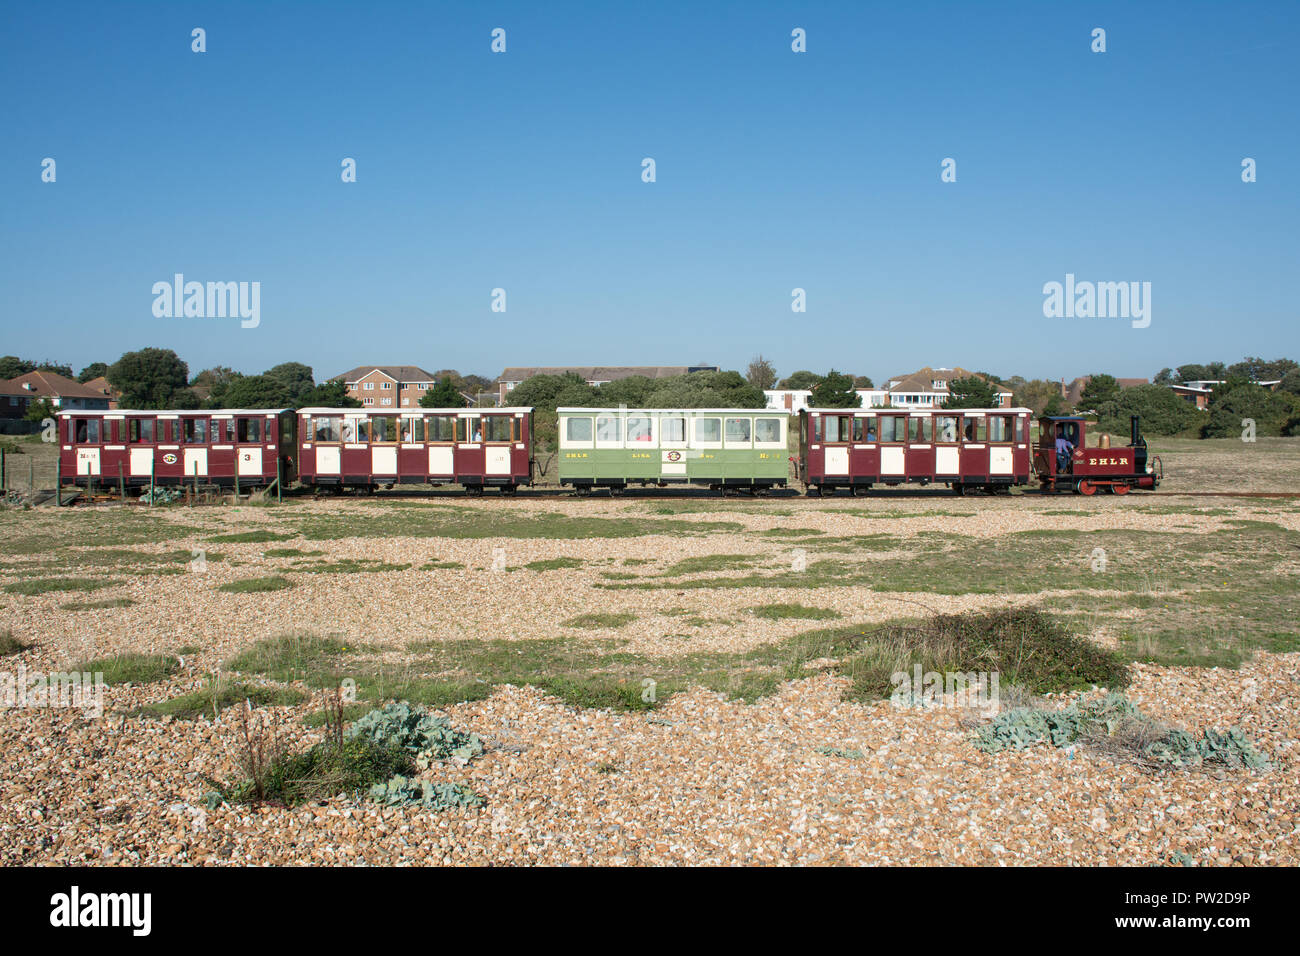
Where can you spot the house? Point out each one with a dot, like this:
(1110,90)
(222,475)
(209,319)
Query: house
(792,400)
(591,374)
(1198,391)
(387,386)
(108,391)
(929,388)
(17,394)
(1073,392)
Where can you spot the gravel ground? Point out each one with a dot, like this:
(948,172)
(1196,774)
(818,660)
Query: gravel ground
(699,780)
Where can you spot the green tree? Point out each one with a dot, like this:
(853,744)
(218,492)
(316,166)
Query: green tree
(835,390)
(972,392)
(863,381)
(1036,394)
(801,379)
(1214,371)
(93,370)
(1162,411)
(1164,377)
(1290,382)
(1257,370)
(39,410)
(11,366)
(1101,388)
(1239,399)
(294,376)
(58,368)
(257,391)
(761,373)
(443,395)
(327,395)
(148,378)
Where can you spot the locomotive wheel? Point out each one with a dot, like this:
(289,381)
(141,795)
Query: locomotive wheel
(1086,487)
(958,488)
(1119,489)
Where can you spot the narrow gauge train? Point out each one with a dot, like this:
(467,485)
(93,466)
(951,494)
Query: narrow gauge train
(740,448)
(977,448)
(329,447)
(745,449)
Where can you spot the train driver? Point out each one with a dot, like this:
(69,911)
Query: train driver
(1065,435)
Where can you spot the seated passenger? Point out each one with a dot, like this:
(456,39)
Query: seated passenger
(970,429)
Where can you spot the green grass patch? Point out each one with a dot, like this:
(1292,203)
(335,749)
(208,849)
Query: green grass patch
(709,562)
(777,612)
(470,524)
(131,668)
(441,566)
(255,585)
(612,619)
(554,564)
(348,566)
(10,645)
(251,537)
(97,605)
(210,701)
(47,585)
(289,553)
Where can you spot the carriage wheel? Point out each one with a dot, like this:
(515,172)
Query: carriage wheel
(1086,487)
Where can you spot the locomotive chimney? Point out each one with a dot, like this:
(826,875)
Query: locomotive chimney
(1133,430)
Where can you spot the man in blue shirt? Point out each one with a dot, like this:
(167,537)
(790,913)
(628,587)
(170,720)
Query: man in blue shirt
(1064,449)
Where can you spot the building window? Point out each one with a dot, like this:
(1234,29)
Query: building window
(369,386)
(370,401)
(385,401)
(386,385)
(940,384)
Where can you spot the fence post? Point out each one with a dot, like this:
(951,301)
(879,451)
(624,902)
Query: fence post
(196,479)
(278,469)
(236,477)
(58,482)
(31,480)
(153,466)
(2,471)
(121,483)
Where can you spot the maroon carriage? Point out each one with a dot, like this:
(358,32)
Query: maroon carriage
(962,448)
(248,447)
(1064,461)
(362,448)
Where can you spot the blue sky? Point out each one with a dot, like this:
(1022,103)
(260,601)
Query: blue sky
(775,170)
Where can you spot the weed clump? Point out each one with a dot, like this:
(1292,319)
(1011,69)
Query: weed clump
(1114,724)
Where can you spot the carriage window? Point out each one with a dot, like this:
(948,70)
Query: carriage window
(608,429)
(836,428)
(328,428)
(918,429)
(579,429)
(412,429)
(976,429)
(224,426)
(672,429)
(872,434)
(383,428)
(859,428)
(88,431)
(892,428)
(497,427)
(767,429)
(1000,428)
(945,428)
(441,427)
(248,430)
(196,431)
(708,429)
(640,428)
(353,430)
(738,429)
(140,430)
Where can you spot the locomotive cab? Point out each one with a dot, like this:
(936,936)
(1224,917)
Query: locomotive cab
(1064,461)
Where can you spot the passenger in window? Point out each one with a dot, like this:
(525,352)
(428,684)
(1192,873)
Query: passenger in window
(970,429)
(478,432)
(871,429)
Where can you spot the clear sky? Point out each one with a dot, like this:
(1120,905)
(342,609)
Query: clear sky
(775,170)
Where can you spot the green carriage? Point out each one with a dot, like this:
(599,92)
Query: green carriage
(718,447)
